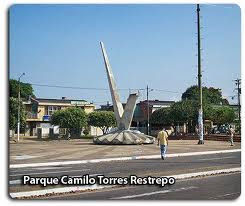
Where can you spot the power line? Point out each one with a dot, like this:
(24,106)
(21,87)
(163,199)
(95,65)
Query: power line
(161,90)
(91,88)
(72,87)
(218,5)
(66,87)
(104,89)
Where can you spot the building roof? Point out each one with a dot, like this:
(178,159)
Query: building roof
(157,102)
(58,101)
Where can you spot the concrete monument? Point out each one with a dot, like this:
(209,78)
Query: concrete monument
(123,134)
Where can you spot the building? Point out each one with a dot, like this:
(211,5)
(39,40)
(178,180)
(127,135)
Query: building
(39,112)
(141,111)
(108,107)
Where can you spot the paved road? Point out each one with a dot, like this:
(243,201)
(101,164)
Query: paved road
(65,150)
(153,167)
(222,187)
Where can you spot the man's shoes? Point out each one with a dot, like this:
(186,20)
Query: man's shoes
(163,158)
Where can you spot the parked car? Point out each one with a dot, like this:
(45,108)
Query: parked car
(215,130)
(223,129)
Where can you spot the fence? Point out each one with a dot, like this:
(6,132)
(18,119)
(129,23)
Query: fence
(214,137)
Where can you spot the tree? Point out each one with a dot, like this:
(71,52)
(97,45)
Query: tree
(210,95)
(181,112)
(13,114)
(102,119)
(223,115)
(26,89)
(208,112)
(71,118)
(161,117)
(184,111)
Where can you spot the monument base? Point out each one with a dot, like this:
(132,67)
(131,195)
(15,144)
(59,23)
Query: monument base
(125,137)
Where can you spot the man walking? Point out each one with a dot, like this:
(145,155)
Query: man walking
(162,140)
(231,132)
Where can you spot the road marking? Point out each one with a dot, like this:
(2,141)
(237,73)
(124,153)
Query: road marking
(206,173)
(49,172)
(23,157)
(90,175)
(18,181)
(15,182)
(41,168)
(218,158)
(50,168)
(96,187)
(229,194)
(113,173)
(118,159)
(93,175)
(56,190)
(153,193)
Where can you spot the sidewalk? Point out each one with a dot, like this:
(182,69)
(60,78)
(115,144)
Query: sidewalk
(32,151)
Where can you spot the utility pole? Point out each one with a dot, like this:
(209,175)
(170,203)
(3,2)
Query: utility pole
(18,119)
(200,112)
(238,83)
(148,112)
(148,109)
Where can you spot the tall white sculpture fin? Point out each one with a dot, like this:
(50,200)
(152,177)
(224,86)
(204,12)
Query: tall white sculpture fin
(123,116)
(117,105)
(129,111)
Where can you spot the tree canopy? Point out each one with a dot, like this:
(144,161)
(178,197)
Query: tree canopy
(102,119)
(179,112)
(187,110)
(161,117)
(223,115)
(26,89)
(13,114)
(184,111)
(210,95)
(70,118)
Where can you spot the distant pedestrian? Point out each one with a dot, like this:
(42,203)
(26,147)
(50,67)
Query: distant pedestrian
(162,140)
(231,132)
(196,129)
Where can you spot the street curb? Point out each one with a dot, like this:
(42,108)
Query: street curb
(207,173)
(96,187)
(56,191)
(118,159)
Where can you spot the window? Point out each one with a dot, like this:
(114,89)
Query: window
(52,109)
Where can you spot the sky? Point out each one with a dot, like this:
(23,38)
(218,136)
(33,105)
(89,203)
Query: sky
(154,45)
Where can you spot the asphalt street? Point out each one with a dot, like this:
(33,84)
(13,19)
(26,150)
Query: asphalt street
(222,187)
(153,167)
